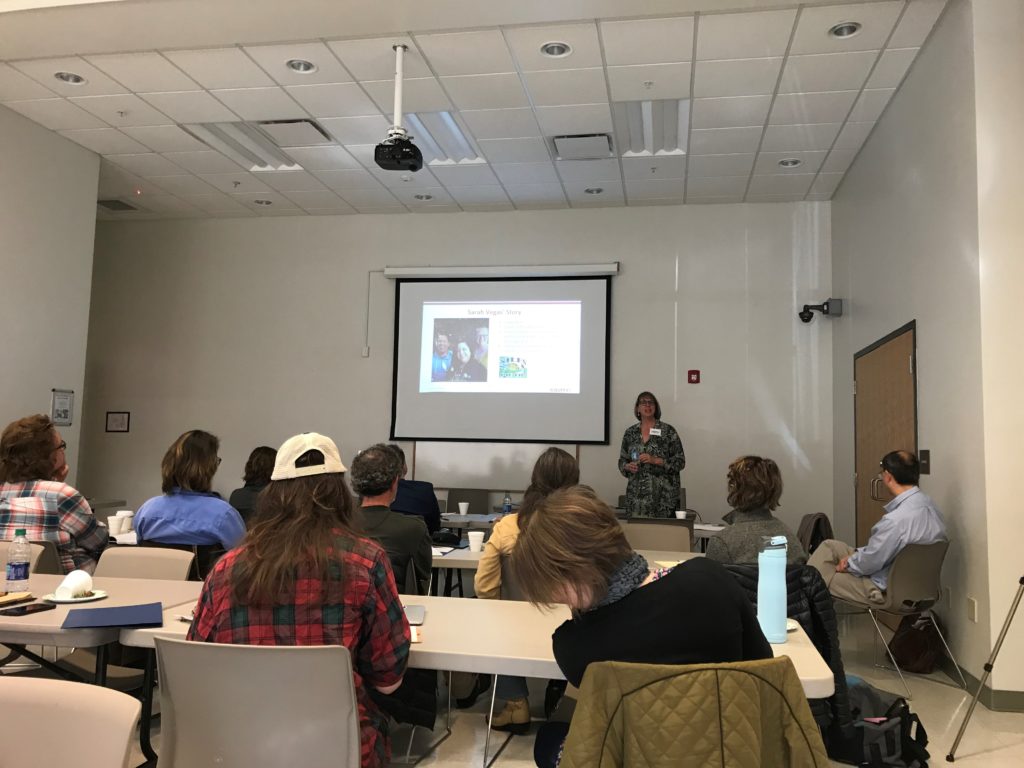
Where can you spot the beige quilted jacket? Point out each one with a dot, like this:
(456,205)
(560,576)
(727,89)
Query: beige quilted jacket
(749,714)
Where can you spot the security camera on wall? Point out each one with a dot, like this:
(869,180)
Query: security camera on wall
(397,152)
(829,308)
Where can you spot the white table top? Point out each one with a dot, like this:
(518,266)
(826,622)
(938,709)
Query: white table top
(464,559)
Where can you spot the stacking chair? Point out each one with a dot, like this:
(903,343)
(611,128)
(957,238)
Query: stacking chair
(478,498)
(144,563)
(242,705)
(914,587)
(33,558)
(49,559)
(666,534)
(55,722)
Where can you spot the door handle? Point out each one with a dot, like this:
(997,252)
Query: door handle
(876,494)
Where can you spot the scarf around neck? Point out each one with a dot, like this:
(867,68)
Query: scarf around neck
(626,578)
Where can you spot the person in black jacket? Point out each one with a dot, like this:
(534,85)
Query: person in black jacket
(415,497)
(256,476)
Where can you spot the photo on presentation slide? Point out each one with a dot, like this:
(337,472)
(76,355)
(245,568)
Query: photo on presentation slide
(460,349)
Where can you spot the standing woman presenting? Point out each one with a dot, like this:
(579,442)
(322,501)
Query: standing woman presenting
(651,459)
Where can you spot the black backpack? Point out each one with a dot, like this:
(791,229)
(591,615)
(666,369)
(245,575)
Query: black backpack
(886,733)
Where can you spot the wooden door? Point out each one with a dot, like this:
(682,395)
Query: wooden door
(885,417)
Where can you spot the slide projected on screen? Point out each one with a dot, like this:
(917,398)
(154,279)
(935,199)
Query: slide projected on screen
(504,346)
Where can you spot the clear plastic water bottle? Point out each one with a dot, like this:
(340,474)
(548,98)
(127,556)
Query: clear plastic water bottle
(506,503)
(771,588)
(18,556)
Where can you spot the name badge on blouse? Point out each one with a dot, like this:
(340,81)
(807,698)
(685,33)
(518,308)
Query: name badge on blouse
(655,432)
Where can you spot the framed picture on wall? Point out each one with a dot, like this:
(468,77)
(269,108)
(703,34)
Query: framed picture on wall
(62,406)
(117,421)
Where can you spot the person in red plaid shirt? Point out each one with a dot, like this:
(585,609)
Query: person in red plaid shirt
(33,468)
(303,576)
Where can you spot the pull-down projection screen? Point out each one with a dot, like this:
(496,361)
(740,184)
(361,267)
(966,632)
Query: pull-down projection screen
(510,360)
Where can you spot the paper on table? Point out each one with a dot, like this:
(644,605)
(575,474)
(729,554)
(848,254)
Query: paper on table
(440,551)
(667,563)
(414,635)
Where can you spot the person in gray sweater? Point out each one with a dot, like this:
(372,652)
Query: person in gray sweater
(755,487)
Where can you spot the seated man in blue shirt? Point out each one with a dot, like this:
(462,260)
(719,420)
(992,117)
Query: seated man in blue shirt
(910,518)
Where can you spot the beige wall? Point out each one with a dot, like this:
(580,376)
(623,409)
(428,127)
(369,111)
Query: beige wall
(253,329)
(47,221)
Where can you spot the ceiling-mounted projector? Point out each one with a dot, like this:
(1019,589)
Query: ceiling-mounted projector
(397,152)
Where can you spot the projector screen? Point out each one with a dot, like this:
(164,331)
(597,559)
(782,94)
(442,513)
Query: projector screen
(509,360)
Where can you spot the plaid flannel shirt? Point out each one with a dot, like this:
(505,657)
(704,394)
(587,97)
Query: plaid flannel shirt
(59,514)
(357,606)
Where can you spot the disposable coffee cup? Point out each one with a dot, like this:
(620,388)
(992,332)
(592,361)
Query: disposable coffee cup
(476,541)
(680,514)
(463,507)
(75,584)
(127,517)
(115,525)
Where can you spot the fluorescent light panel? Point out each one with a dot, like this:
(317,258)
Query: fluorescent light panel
(442,139)
(243,144)
(649,128)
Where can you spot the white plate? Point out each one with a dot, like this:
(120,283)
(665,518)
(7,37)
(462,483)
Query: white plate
(792,625)
(97,594)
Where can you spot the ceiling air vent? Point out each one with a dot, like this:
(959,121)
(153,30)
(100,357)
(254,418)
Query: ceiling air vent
(295,133)
(592,146)
(117,205)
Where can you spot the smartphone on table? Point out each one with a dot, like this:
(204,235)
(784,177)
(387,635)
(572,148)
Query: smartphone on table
(25,610)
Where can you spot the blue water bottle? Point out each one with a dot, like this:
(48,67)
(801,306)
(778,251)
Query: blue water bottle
(771,588)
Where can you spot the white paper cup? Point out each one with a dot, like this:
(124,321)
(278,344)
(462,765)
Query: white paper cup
(476,541)
(75,584)
(680,514)
(116,525)
(463,507)
(127,517)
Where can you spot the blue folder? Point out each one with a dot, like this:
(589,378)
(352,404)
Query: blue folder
(146,615)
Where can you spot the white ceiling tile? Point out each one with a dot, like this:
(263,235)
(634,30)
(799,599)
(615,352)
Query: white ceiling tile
(610,194)
(526,173)
(215,203)
(203,161)
(713,186)
(528,194)
(644,82)
(146,164)
(364,154)
(322,158)
(368,197)
(792,197)
(357,130)
(419,94)
(279,211)
(322,200)
(582,171)
(260,103)
(660,189)
(105,141)
(736,77)
(343,180)
(486,91)
(647,41)
(467,53)
(892,67)
(724,141)
(729,112)
(15,86)
(348,209)
(827,72)
(486,207)
(43,70)
(385,209)
(838,160)
(814,136)
(580,118)
(744,35)
(803,108)
(190,107)
(916,23)
(566,86)
(121,110)
(334,100)
(853,135)
(182,185)
(220,68)
(877,20)
(144,72)
(396,180)
(164,138)
(826,183)
(433,195)
(713,199)
(870,105)
(649,201)
(274,60)
(464,175)
(721,165)
(239,182)
(55,114)
(526,43)
(478,195)
(501,123)
(291,181)
(278,202)
(443,208)
(165,203)
(768,162)
(374,58)
(527,150)
(780,184)
(653,168)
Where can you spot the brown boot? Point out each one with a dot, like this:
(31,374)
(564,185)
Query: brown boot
(514,718)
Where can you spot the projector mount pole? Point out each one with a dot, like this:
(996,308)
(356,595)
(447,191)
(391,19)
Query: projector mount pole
(396,130)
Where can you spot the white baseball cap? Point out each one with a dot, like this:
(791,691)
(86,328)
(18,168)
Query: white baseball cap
(294,447)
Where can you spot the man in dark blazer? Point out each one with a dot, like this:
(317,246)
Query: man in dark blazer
(416,497)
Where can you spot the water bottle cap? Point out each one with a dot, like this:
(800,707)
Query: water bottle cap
(19,531)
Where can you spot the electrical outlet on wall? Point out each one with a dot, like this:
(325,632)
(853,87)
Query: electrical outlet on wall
(972,610)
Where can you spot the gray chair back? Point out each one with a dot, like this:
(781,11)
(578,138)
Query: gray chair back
(665,534)
(33,558)
(49,559)
(915,578)
(144,563)
(478,498)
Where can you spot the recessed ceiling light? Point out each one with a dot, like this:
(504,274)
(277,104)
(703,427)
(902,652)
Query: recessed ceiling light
(424,197)
(556,49)
(790,162)
(594,190)
(69,77)
(301,66)
(263,202)
(845,29)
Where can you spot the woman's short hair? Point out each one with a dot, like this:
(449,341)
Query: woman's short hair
(573,540)
(554,469)
(657,405)
(26,450)
(191,462)
(374,470)
(260,465)
(754,483)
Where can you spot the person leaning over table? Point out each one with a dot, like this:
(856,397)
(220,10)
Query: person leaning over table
(573,551)
(651,459)
(754,487)
(303,576)
(33,466)
(256,476)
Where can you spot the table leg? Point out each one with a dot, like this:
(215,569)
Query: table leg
(487,738)
(102,653)
(146,720)
(435,577)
